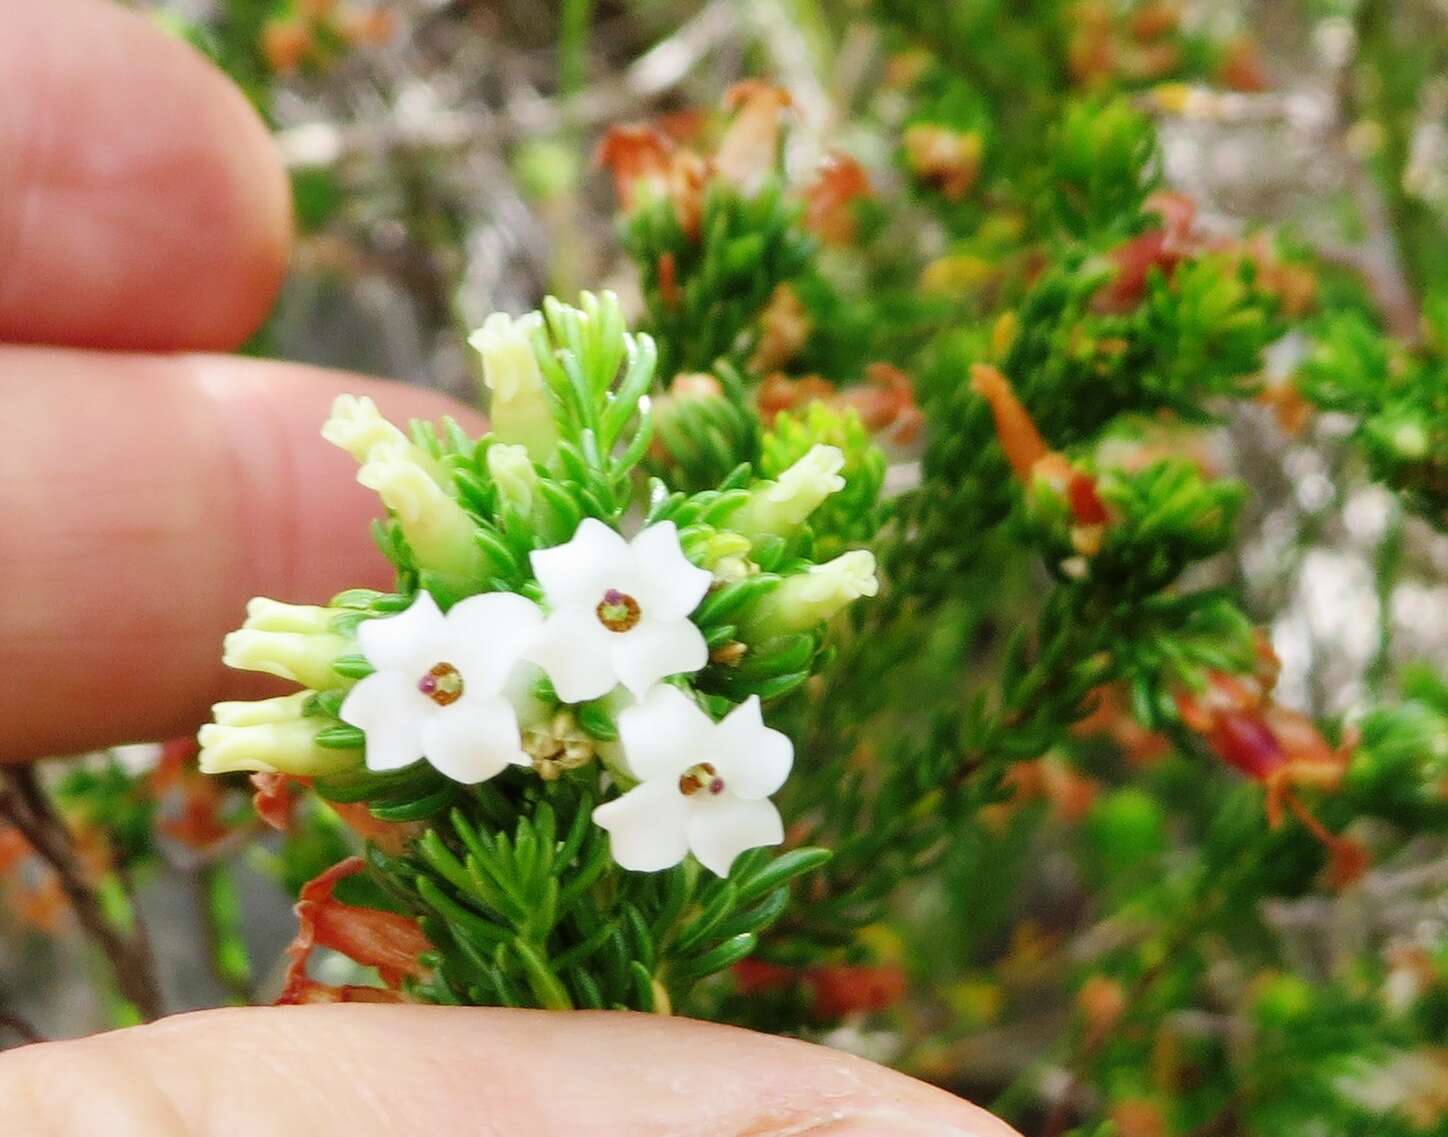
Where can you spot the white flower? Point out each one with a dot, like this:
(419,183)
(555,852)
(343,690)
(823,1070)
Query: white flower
(439,688)
(703,786)
(619,611)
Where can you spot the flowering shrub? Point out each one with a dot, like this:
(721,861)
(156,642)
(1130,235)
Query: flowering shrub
(587,708)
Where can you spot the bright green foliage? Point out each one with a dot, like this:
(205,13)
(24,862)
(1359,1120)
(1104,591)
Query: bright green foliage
(1400,398)
(722,276)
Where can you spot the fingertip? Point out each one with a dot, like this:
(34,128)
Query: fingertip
(142,202)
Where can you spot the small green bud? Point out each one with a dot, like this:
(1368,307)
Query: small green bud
(269,736)
(779,507)
(520,407)
(813,596)
(512,472)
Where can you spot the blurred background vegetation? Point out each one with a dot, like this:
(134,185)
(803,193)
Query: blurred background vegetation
(442,156)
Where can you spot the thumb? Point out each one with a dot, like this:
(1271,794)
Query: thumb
(375,1071)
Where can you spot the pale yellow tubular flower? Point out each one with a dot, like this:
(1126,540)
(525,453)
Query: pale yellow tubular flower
(269,736)
(357,426)
(520,407)
(274,616)
(441,535)
(303,657)
(805,599)
(779,507)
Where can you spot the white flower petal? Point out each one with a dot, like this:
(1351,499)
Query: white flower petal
(474,740)
(578,573)
(753,759)
(573,649)
(672,585)
(663,735)
(490,632)
(649,827)
(389,709)
(721,829)
(406,642)
(656,649)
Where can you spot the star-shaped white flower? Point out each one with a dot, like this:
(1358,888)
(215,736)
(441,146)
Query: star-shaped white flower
(619,611)
(703,786)
(438,691)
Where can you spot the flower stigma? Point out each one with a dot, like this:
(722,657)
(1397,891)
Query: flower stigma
(701,777)
(443,684)
(618,611)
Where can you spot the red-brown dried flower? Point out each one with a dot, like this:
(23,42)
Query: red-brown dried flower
(829,202)
(385,940)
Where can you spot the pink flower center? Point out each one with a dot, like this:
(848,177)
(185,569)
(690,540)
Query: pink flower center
(618,611)
(701,777)
(443,684)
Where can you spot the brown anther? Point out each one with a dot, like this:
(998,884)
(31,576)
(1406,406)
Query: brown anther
(700,777)
(729,654)
(618,611)
(443,684)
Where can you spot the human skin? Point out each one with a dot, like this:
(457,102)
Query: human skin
(150,488)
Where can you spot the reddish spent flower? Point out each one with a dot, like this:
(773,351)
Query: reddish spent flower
(1015,428)
(887,403)
(1241,68)
(669,290)
(14,848)
(385,940)
(638,156)
(1145,62)
(275,798)
(784,328)
(1139,1119)
(1084,500)
(750,147)
(1112,718)
(778,392)
(1162,249)
(1090,54)
(688,177)
(829,201)
(42,905)
(286,43)
(1102,1001)
(371,27)
(841,989)
(192,813)
(944,158)
(1155,19)
(696,385)
(391,837)
(760,977)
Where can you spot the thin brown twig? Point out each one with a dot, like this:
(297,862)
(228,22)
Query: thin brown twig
(25,805)
(12,1023)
